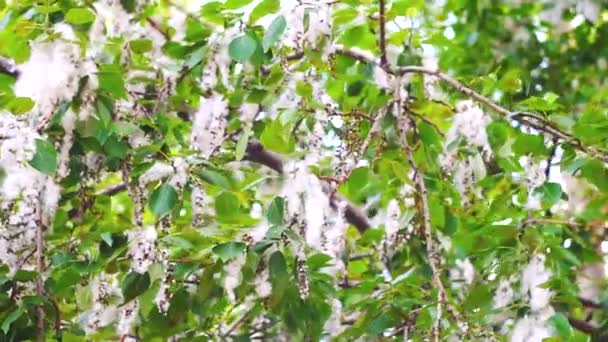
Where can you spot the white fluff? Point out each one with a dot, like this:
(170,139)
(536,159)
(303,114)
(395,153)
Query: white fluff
(209,124)
(142,248)
(50,76)
(533,276)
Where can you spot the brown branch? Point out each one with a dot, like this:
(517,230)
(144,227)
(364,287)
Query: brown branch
(582,326)
(354,216)
(541,123)
(39,280)
(237,323)
(18,268)
(428,235)
(114,190)
(57,312)
(427,121)
(431,250)
(255,152)
(383,61)
(157,27)
(360,256)
(458,86)
(525,118)
(550,159)
(588,303)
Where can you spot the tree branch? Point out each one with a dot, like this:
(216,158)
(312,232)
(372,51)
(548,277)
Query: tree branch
(588,303)
(582,326)
(538,122)
(431,250)
(255,152)
(533,120)
(383,61)
(430,244)
(39,280)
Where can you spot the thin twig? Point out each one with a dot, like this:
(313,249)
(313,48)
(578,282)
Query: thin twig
(360,256)
(538,122)
(18,268)
(590,303)
(432,253)
(39,280)
(534,220)
(383,60)
(583,326)
(237,323)
(428,235)
(533,120)
(427,121)
(114,190)
(550,159)
(57,312)
(528,119)
(157,27)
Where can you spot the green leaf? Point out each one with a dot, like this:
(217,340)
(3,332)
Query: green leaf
(2,175)
(215,178)
(355,88)
(196,57)
(529,144)
(304,89)
(80,16)
(547,103)
(207,282)
(111,80)
(235,4)
(242,48)
(124,129)
(264,8)
(550,192)
(276,210)
(115,148)
(129,5)
(359,36)
(511,81)
(560,324)
(498,133)
(45,159)
(163,200)
(12,317)
(229,251)
(140,45)
(20,105)
(228,209)
(241,145)
(277,267)
(277,137)
(437,211)
(272,35)
(134,284)
(595,172)
(212,12)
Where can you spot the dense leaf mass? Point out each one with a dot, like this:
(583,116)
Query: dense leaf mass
(190,170)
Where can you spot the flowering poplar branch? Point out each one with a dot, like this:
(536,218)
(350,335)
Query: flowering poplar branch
(526,118)
(431,250)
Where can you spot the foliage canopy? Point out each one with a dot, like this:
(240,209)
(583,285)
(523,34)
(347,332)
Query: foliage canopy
(303,170)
